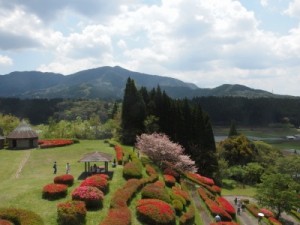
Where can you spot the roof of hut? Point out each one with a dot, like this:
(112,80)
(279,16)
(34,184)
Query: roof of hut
(96,157)
(22,131)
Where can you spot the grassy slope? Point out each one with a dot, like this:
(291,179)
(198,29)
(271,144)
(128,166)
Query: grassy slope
(26,190)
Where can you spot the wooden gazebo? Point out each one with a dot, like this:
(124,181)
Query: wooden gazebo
(95,157)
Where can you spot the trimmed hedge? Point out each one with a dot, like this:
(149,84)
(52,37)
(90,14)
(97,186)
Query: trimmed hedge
(119,216)
(54,191)
(92,196)
(169,180)
(154,211)
(119,154)
(71,212)
(156,192)
(133,169)
(226,205)
(66,179)
(20,216)
(188,218)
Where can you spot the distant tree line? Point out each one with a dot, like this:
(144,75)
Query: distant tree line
(251,111)
(183,121)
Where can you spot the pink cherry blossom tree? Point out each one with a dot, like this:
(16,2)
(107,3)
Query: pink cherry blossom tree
(160,149)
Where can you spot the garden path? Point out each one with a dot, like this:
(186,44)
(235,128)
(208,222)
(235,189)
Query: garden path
(247,219)
(22,163)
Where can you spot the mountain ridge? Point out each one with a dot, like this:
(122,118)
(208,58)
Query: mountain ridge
(109,83)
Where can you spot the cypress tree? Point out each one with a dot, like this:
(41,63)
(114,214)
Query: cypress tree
(133,113)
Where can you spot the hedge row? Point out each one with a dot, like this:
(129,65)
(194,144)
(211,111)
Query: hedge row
(119,154)
(20,216)
(188,218)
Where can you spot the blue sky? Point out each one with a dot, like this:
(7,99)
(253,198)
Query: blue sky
(208,43)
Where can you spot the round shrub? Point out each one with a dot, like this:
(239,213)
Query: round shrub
(20,216)
(154,211)
(71,212)
(154,191)
(55,191)
(5,222)
(132,170)
(188,218)
(178,206)
(179,192)
(170,180)
(92,196)
(169,171)
(66,179)
(97,182)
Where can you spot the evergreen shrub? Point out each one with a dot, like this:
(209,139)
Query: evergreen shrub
(54,191)
(156,192)
(20,216)
(71,212)
(66,179)
(92,196)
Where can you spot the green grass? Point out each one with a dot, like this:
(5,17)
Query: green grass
(25,191)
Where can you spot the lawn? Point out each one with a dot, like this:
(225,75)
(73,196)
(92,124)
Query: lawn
(24,190)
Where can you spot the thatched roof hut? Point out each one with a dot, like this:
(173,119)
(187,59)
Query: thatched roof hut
(23,137)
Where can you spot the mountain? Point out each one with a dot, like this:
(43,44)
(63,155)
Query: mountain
(107,83)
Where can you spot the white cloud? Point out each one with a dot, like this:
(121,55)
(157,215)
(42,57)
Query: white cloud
(264,3)
(5,61)
(293,9)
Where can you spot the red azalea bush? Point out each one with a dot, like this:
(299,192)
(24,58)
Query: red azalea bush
(71,212)
(273,221)
(224,223)
(201,179)
(21,216)
(160,184)
(92,196)
(54,143)
(216,209)
(267,212)
(154,211)
(5,222)
(226,205)
(169,180)
(119,154)
(54,191)
(96,181)
(119,216)
(178,191)
(188,218)
(169,171)
(66,179)
(156,192)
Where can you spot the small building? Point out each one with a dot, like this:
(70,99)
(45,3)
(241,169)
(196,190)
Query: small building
(2,142)
(96,157)
(23,137)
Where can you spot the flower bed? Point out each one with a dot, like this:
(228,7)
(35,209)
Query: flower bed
(273,221)
(216,209)
(178,191)
(156,192)
(267,212)
(201,179)
(119,216)
(92,196)
(54,191)
(119,154)
(20,216)
(96,181)
(66,179)
(154,211)
(226,205)
(71,212)
(54,143)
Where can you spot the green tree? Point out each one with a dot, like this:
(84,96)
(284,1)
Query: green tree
(278,192)
(238,150)
(232,130)
(151,124)
(289,165)
(133,113)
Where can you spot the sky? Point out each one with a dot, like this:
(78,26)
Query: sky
(209,43)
